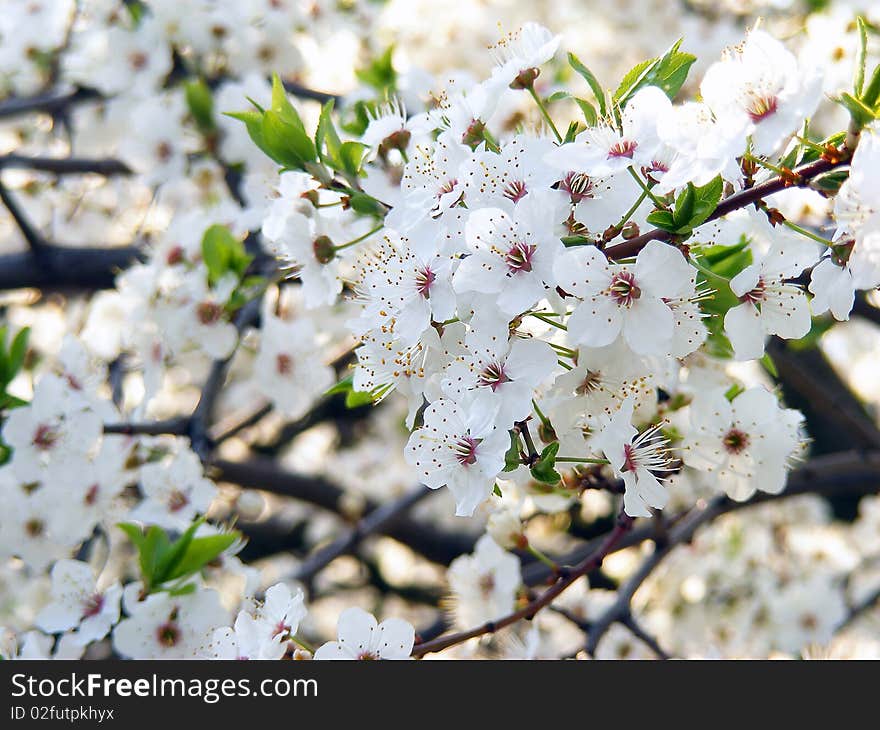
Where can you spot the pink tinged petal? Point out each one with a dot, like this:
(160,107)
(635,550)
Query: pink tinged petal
(647,326)
(742,325)
(596,322)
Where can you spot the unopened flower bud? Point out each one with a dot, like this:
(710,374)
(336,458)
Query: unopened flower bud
(630,230)
(250,504)
(312,196)
(474,134)
(525,79)
(505,528)
(324,249)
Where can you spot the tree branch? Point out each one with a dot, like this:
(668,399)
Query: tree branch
(107,166)
(591,562)
(379,519)
(425,539)
(802,176)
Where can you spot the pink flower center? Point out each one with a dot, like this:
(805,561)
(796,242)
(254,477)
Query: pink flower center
(208,313)
(519,257)
(578,186)
(92,494)
(624,148)
(168,634)
(45,437)
(761,106)
(630,462)
(424,279)
(284,363)
(623,288)
(447,187)
(515,190)
(493,376)
(735,441)
(466,450)
(177,500)
(758,294)
(93,605)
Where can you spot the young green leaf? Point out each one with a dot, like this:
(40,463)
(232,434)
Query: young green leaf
(592,81)
(543,469)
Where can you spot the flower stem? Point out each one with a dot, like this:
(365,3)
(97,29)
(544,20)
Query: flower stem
(360,238)
(576,460)
(544,112)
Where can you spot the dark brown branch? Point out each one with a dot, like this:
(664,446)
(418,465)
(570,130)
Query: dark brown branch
(170,427)
(107,166)
(379,519)
(72,268)
(833,475)
(591,562)
(682,533)
(200,421)
(52,102)
(425,539)
(643,636)
(34,238)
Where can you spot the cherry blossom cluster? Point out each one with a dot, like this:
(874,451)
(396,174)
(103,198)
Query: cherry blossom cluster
(552,299)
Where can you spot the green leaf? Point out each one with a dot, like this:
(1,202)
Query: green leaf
(380,74)
(692,207)
(512,458)
(684,206)
(496,490)
(733,391)
(366,205)
(284,143)
(543,470)
(282,107)
(669,72)
(253,122)
(172,557)
(662,219)
(201,104)
(351,157)
(17,352)
(353,398)
(217,251)
(201,551)
(589,112)
(592,81)
(327,141)
(860,112)
(769,365)
(357,399)
(862,57)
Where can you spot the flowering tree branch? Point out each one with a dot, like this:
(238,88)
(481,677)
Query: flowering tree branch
(799,177)
(567,578)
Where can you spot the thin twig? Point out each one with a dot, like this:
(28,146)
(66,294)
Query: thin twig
(591,562)
(379,519)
